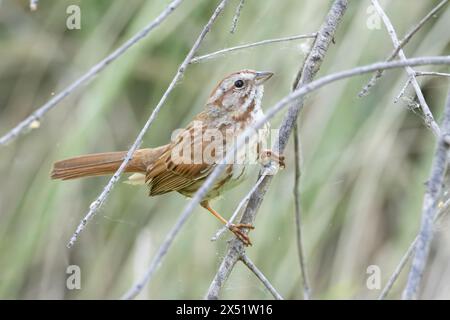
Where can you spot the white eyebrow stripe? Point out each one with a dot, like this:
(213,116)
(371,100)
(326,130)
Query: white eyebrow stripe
(247,76)
(229,83)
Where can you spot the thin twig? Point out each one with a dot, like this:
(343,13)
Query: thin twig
(400,45)
(236,16)
(246,260)
(95,206)
(238,209)
(27,124)
(430,73)
(416,28)
(402,92)
(310,67)
(398,270)
(430,203)
(250,45)
(429,119)
(419,74)
(408,255)
(298,220)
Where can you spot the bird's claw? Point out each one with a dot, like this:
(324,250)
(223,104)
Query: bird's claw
(268,155)
(236,229)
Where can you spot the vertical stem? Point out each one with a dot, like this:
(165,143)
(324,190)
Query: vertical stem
(430,203)
(298,219)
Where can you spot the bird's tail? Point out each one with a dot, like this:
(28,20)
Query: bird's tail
(107,163)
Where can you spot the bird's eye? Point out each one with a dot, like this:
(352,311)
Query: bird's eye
(239,83)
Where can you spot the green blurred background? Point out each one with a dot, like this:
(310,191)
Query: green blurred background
(365,160)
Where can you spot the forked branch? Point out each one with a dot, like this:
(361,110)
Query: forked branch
(400,45)
(428,116)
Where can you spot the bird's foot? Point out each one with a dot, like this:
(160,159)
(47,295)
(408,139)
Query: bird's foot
(237,230)
(268,155)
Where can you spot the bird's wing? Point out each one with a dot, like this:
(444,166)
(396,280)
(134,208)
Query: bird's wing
(181,165)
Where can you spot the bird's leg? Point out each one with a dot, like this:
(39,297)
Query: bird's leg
(235,228)
(267,155)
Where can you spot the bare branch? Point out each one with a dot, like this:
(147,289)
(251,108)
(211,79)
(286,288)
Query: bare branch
(246,260)
(416,28)
(250,45)
(408,254)
(419,74)
(233,255)
(27,124)
(429,119)
(403,90)
(298,221)
(429,73)
(430,203)
(398,270)
(236,16)
(310,67)
(95,206)
(400,45)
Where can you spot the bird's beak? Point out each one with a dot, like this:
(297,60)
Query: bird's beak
(263,76)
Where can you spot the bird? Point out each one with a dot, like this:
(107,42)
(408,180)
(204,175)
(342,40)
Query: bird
(183,164)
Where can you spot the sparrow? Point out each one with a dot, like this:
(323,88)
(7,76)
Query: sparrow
(186,162)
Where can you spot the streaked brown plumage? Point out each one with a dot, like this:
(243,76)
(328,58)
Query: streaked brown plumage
(234,104)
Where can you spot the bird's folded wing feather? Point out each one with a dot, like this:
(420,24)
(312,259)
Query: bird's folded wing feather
(170,173)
